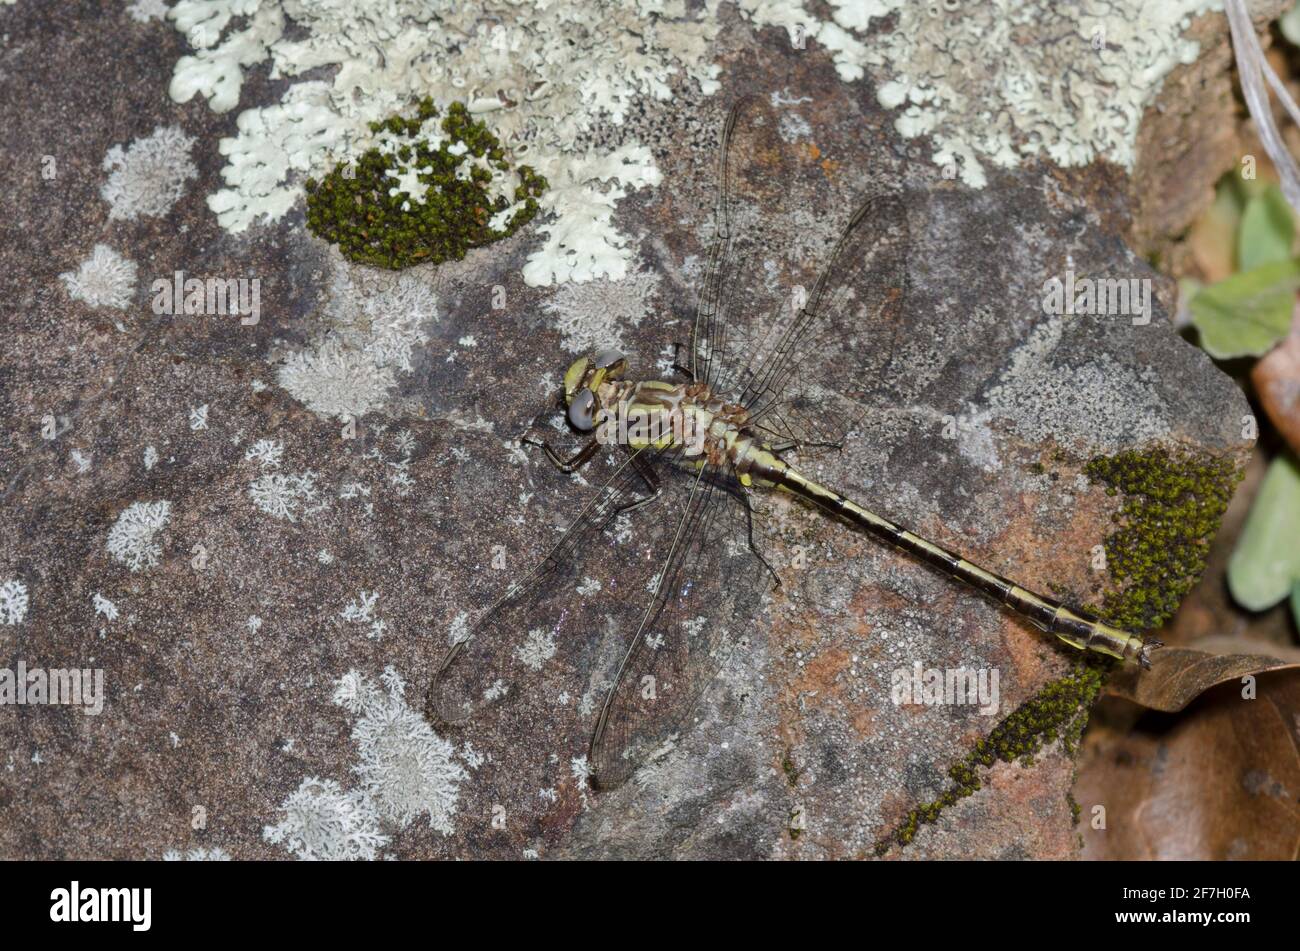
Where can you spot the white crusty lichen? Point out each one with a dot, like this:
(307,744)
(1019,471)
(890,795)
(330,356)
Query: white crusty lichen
(132,539)
(13,602)
(285,496)
(149,176)
(360,610)
(104,607)
(1002,81)
(553,79)
(321,821)
(405,768)
(105,279)
(371,325)
(199,854)
(536,649)
(142,11)
(335,380)
(1104,404)
(380,314)
(266,453)
(594,316)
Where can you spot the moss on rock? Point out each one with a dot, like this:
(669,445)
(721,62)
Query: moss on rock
(360,207)
(1173,503)
(1058,711)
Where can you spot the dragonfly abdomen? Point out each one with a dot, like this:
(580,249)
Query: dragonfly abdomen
(1044,613)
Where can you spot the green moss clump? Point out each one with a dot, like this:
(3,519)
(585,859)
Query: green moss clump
(1058,711)
(352,207)
(791,771)
(1171,511)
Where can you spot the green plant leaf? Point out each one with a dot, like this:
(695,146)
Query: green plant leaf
(1246,314)
(1265,568)
(1289,24)
(1267,230)
(1295,604)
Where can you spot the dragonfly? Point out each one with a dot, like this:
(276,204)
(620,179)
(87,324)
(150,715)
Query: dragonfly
(669,545)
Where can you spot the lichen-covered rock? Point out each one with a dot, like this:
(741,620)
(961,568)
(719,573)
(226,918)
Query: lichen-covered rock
(357,492)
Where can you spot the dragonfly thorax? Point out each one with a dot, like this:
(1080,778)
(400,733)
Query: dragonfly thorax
(688,416)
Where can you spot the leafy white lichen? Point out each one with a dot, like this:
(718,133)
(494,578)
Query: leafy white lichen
(405,768)
(132,539)
(13,602)
(149,176)
(105,279)
(553,78)
(321,821)
(1005,80)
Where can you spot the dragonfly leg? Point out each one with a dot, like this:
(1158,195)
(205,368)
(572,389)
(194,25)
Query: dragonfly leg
(749,532)
(651,480)
(574,462)
(681,368)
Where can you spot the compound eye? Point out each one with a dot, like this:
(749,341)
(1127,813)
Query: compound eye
(582,410)
(612,361)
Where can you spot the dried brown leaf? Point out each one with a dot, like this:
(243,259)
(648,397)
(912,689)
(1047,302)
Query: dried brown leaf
(1179,675)
(1221,780)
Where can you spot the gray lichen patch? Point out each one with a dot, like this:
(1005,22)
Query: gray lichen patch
(149,176)
(1103,403)
(370,326)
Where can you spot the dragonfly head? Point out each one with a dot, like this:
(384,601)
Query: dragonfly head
(582,382)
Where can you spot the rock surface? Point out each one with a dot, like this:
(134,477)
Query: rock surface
(210,714)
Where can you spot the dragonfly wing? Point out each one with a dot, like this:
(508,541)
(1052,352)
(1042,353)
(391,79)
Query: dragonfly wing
(843,340)
(526,643)
(802,354)
(708,589)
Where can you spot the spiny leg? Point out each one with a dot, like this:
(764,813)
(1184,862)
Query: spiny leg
(749,533)
(647,474)
(794,445)
(678,346)
(574,462)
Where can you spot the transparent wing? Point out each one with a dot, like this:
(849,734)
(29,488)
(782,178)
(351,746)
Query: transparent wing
(670,583)
(707,591)
(528,642)
(802,361)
